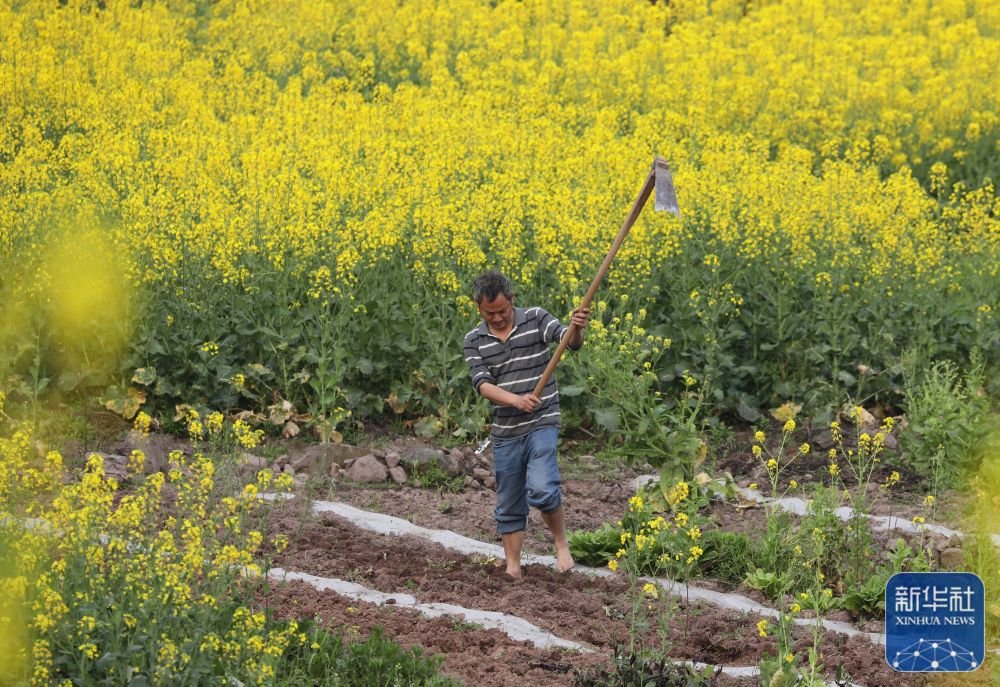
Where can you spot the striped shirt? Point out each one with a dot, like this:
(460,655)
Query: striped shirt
(516,365)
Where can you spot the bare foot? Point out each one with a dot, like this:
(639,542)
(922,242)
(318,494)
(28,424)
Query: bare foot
(514,572)
(564,560)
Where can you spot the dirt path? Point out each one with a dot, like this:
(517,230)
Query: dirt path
(592,611)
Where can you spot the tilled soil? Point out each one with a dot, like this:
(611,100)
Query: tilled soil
(587,503)
(596,612)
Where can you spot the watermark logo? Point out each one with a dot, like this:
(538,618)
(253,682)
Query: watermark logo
(935,622)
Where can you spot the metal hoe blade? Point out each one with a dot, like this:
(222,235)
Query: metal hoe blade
(666,198)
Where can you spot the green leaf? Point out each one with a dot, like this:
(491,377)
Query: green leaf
(144,376)
(69,380)
(124,402)
(846,377)
(571,390)
(607,418)
(747,412)
(428,427)
(365,366)
(105,661)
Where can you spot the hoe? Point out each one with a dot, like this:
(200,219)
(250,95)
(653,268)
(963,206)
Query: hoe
(659,177)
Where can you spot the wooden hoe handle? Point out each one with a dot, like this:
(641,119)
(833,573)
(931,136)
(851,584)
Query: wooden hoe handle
(640,201)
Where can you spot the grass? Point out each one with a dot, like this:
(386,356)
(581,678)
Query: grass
(372,662)
(585,464)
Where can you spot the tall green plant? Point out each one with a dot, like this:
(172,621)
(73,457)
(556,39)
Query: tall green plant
(945,413)
(328,659)
(852,469)
(619,364)
(774,574)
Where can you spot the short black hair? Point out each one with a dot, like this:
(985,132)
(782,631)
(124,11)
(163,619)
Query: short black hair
(491,284)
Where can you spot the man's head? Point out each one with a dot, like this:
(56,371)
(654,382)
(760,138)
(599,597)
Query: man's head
(494,295)
(491,284)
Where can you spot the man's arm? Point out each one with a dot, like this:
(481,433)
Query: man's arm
(580,318)
(485,383)
(525,403)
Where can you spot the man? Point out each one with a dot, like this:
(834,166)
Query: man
(507,354)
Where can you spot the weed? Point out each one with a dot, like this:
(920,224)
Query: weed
(446,565)
(328,658)
(460,625)
(484,561)
(728,556)
(945,417)
(433,476)
(636,669)
(359,574)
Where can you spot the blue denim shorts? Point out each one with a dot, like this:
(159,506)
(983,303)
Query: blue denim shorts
(527,476)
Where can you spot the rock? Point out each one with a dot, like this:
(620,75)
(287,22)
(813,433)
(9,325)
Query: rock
(823,441)
(319,457)
(398,474)
(458,458)
(336,472)
(155,447)
(490,482)
(891,442)
(481,474)
(418,459)
(115,466)
(471,483)
(368,469)
(299,481)
(288,470)
(452,465)
(867,423)
(421,455)
(952,558)
(253,462)
(938,542)
(392,459)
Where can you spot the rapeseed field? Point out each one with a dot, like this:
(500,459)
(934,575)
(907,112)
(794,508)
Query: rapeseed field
(237,203)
